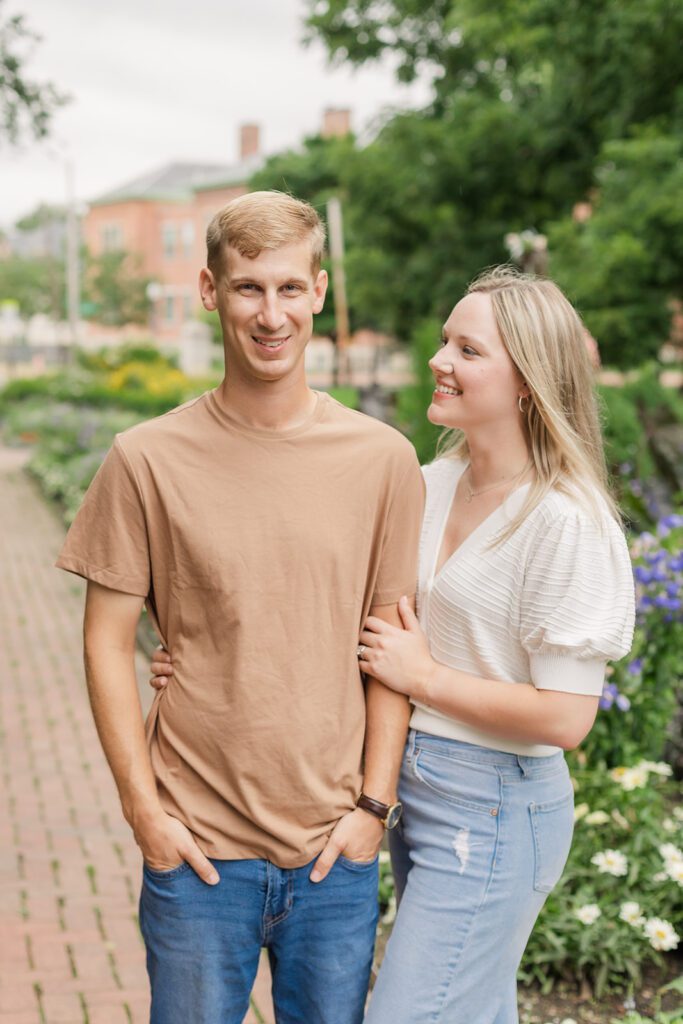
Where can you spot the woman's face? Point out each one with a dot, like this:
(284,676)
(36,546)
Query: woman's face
(477,384)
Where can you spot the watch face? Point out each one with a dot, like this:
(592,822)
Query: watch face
(394,816)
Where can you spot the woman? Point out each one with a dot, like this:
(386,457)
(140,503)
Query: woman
(525,592)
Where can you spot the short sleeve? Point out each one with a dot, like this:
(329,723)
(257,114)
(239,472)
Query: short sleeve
(107,541)
(397,571)
(577,610)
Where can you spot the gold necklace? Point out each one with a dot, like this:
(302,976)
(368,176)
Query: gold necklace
(475,494)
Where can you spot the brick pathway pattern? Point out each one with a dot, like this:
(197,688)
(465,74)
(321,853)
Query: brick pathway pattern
(70,947)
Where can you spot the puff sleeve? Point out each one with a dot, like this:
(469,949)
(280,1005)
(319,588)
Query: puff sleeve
(577,608)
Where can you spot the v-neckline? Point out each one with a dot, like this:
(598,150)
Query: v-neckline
(436,574)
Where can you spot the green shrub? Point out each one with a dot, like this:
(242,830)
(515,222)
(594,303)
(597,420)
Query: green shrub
(414,400)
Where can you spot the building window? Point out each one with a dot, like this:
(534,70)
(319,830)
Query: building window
(112,238)
(187,306)
(169,309)
(168,239)
(187,238)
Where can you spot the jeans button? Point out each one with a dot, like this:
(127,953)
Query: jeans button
(494,812)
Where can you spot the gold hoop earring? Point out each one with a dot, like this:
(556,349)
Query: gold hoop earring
(523,409)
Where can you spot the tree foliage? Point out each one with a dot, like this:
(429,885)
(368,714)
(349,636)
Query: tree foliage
(116,289)
(537,105)
(624,264)
(26,106)
(36,285)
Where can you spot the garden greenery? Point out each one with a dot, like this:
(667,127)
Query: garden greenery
(619,904)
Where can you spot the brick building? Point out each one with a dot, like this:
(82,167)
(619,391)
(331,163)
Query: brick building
(161,218)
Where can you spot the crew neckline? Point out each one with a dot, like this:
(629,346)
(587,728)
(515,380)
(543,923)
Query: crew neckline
(282,434)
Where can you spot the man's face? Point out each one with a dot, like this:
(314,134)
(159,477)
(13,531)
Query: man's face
(266,308)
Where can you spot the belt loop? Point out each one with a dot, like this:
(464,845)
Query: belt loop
(522,766)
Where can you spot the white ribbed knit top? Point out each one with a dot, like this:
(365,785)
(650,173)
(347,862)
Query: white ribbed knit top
(550,605)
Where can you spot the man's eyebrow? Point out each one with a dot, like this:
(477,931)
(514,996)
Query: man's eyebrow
(236,281)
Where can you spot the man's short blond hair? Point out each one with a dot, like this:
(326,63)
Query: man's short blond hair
(263,220)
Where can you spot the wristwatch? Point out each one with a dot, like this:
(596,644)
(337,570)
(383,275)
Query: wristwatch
(388,814)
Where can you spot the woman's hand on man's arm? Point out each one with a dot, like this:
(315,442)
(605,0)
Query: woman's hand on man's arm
(161,668)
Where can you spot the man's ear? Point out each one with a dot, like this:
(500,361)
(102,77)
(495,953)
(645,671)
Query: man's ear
(319,291)
(207,289)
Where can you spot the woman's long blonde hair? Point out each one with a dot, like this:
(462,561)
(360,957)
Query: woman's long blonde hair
(545,339)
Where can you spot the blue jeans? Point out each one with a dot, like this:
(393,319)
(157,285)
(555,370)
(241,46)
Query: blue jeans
(483,840)
(204,942)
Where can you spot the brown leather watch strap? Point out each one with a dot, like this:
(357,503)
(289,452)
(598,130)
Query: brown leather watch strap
(375,807)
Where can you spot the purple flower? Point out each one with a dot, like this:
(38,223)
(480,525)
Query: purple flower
(605,702)
(642,575)
(622,702)
(671,522)
(652,557)
(635,667)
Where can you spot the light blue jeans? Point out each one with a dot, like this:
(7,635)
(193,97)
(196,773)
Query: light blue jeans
(483,840)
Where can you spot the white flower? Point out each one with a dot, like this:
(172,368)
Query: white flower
(597,818)
(588,913)
(661,934)
(610,862)
(384,856)
(514,245)
(656,767)
(630,778)
(669,825)
(630,912)
(670,851)
(674,869)
(661,876)
(580,811)
(678,813)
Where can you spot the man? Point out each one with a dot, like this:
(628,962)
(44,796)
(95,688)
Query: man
(260,523)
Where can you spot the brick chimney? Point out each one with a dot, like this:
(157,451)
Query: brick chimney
(250,141)
(336,121)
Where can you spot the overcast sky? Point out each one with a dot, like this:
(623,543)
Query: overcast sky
(158,80)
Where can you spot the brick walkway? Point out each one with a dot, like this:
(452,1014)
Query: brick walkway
(70,949)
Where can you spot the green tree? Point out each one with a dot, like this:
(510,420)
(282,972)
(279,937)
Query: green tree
(117,289)
(624,265)
(26,106)
(37,285)
(527,93)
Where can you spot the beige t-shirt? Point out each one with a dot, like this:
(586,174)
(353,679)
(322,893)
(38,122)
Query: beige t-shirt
(259,554)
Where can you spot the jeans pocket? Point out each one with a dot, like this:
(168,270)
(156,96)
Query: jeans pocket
(552,827)
(458,782)
(166,875)
(357,865)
